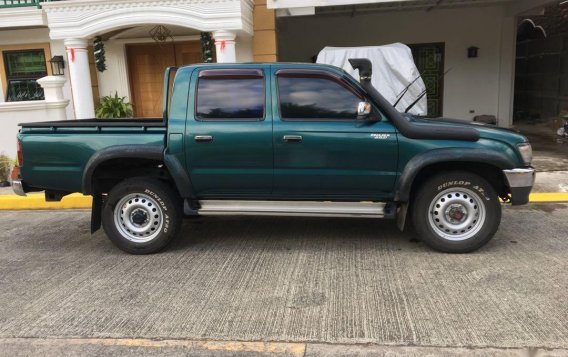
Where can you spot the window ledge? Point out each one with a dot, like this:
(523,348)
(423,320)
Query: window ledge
(32,105)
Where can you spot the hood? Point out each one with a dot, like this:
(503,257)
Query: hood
(486,131)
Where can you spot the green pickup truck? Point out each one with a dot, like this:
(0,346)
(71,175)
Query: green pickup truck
(282,140)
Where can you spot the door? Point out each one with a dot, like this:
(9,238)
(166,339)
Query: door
(188,53)
(429,59)
(321,149)
(146,65)
(229,133)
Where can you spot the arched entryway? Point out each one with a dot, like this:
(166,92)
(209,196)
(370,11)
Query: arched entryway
(77,23)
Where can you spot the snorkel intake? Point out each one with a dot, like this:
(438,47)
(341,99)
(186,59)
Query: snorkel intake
(407,128)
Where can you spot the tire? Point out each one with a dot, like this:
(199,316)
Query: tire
(456,212)
(141,216)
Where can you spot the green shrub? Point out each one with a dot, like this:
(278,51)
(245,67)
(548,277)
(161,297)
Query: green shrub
(6,164)
(113,107)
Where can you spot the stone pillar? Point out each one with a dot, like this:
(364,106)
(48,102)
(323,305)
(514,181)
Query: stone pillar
(264,45)
(80,74)
(53,90)
(225,46)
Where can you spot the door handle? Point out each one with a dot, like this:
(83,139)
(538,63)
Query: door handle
(203,138)
(292,138)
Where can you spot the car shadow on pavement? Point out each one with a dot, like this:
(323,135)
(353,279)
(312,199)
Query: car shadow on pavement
(289,231)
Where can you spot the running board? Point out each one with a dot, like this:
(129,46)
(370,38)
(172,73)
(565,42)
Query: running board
(296,208)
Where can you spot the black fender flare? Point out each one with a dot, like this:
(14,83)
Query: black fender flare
(152,152)
(180,176)
(436,156)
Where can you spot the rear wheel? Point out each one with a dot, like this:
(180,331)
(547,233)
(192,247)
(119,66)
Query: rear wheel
(141,215)
(456,212)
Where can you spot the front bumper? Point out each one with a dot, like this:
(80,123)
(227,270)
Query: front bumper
(18,187)
(520,182)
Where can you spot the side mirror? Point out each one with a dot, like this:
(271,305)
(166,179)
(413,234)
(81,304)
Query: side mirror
(363,110)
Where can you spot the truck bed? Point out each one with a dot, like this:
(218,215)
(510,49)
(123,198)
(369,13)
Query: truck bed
(55,153)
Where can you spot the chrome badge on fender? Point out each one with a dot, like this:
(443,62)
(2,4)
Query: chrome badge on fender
(380,136)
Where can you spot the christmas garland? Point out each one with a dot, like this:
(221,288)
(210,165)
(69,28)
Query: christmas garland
(99,50)
(207,47)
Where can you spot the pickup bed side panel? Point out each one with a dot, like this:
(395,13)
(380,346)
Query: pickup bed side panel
(56,158)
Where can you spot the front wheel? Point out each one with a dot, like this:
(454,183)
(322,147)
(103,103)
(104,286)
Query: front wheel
(141,216)
(456,212)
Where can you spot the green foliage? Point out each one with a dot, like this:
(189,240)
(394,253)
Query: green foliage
(6,164)
(100,58)
(113,107)
(207,47)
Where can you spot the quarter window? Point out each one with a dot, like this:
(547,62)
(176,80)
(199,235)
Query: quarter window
(316,97)
(230,98)
(23,69)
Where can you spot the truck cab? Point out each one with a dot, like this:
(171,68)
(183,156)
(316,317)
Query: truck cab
(280,139)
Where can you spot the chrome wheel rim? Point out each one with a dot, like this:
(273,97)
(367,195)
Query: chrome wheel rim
(457,214)
(138,218)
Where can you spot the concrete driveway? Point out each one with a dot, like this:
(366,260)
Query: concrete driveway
(330,283)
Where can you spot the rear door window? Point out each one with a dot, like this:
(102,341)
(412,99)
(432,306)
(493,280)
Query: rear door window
(230,95)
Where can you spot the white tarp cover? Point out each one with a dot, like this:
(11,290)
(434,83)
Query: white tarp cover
(393,70)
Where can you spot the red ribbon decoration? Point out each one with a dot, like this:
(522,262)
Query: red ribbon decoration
(222,46)
(72,52)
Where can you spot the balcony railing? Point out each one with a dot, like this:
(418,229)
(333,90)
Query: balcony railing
(18,3)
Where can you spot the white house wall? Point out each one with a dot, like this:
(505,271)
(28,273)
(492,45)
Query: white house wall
(472,84)
(39,35)
(115,78)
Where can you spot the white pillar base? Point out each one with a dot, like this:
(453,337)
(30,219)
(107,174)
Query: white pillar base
(225,46)
(56,103)
(80,74)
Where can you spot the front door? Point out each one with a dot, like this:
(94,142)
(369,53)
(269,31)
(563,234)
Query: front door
(321,149)
(228,136)
(146,65)
(429,59)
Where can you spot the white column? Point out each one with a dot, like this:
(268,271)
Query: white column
(225,46)
(56,103)
(80,74)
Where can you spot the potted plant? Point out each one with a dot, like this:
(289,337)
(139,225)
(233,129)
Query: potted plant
(113,107)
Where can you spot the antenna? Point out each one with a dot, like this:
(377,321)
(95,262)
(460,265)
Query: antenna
(401,94)
(424,92)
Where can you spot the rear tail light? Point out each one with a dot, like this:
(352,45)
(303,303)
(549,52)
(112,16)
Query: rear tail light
(20,154)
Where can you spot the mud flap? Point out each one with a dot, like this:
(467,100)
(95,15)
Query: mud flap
(401,216)
(96,212)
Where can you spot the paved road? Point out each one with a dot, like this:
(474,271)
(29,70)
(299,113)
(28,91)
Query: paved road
(321,281)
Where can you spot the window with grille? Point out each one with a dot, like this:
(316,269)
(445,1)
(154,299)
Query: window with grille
(23,69)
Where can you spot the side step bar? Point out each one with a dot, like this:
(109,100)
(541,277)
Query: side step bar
(296,208)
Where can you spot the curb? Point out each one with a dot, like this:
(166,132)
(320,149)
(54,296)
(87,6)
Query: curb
(37,201)
(548,197)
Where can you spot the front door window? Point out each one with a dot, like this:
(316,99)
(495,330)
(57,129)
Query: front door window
(313,97)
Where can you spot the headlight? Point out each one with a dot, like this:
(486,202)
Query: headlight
(526,153)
